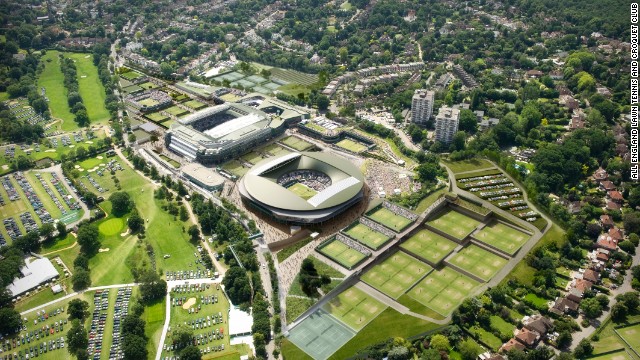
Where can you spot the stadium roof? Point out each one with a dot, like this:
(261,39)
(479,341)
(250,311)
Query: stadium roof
(203,174)
(261,181)
(34,273)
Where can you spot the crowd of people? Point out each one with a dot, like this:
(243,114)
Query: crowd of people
(313,179)
(377,227)
(353,244)
(382,177)
(399,210)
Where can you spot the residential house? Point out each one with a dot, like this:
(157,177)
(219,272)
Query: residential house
(528,337)
(616,234)
(538,323)
(564,306)
(607,185)
(606,242)
(616,196)
(534,74)
(606,221)
(591,275)
(512,344)
(600,175)
(613,206)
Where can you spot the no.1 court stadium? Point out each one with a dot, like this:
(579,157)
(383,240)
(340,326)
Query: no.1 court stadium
(396,274)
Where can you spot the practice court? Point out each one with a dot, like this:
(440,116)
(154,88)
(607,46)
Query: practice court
(320,335)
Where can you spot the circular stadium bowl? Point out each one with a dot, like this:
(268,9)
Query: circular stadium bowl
(260,188)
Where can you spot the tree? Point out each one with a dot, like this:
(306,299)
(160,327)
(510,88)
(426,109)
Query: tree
(628,247)
(62,229)
(78,309)
(468,121)
(82,354)
(583,350)
(81,279)
(564,339)
(46,230)
(152,287)
(183,213)
(10,321)
(77,337)
(398,353)
(135,222)
(309,278)
(459,140)
(134,347)
(591,308)
(81,261)
(469,349)
(131,324)
(530,118)
(631,222)
(428,171)
(194,233)
(88,238)
(431,354)
(236,283)
(630,300)
(82,119)
(322,101)
(166,69)
(440,342)
(619,313)
(120,203)
(190,353)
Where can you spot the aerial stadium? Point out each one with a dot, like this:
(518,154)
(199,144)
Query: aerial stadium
(302,187)
(219,133)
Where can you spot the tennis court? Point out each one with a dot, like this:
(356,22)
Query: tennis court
(429,246)
(396,274)
(302,190)
(351,145)
(354,308)
(502,237)
(443,290)
(296,143)
(320,335)
(341,253)
(478,261)
(389,219)
(275,149)
(367,236)
(252,157)
(454,223)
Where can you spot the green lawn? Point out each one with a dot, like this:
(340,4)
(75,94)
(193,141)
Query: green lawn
(502,237)
(536,300)
(57,244)
(389,324)
(302,191)
(342,253)
(351,145)
(297,143)
(426,202)
(296,306)
(90,87)
(396,274)
(367,236)
(173,163)
(252,157)
(429,246)
(294,89)
(468,165)
(52,80)
(235,167)
(291,352)
(154,318)
(443,290)
(156,117)
(354,308)
(502,325)
(389,219)
(478,261)
(195,104)
(291,249)
(176,111)
(632,335)
(454,223)
(486,337)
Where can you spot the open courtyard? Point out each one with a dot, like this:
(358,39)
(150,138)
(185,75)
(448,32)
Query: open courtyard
(503,237)
(396,274)
(478,262)
(443,290)
(454,223)
(354,308)
(429,246)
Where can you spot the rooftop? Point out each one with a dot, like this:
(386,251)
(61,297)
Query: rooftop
(34,273)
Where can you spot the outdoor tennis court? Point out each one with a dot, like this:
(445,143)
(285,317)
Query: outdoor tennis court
(320,335)
(367,236)
(396,274)
(351,145)
(454,223)
(478,261)
(342,253)
(354,308)
(502,237)
(386,217)
(443,290)
(296,143)
(429,246)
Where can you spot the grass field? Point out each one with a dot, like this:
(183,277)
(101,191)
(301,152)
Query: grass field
(296,306)
(429,246)
(294,89)
(367,236)
(252,157)
(176,111)
(297,143)
(52,80)
(320,335)
(195,104)
(274,149)
(156,117)
(468,165)
(486,337)
(302,190)
(153,316)
(235,167)
(479,262)
(631,335)
(342,253)
(351,145)
(131,75)
(505,328)
(148,85)
(354,308)
(387,218)
(396,274)
(443,290)
(618,355)
(283,254)
(293,76)
(454,223)
(502,237)
(111,227)
(90,87)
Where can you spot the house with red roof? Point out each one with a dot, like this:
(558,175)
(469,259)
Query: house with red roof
(606,221)
(615,196)
(606,242)
(607,185)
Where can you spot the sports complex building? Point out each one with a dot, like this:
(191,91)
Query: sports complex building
(302,187)
(219,133)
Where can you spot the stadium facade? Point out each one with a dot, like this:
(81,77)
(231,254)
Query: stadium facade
(332,186)
(219,133)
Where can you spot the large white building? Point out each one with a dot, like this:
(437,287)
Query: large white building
(447,124)
(422,106)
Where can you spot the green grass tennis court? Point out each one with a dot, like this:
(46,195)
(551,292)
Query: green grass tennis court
(429,246)
(631,335)
(341,253)
(396,274)
(302,190)
(443,290)
(320,335)
(387,218)
(176,111)
(275,150)
(367,236)
(156,117)
(502,237)
(252,157)
(297,143)
(235,167)
(194,104)
(354,308)
(478,261)
(454,223)
(351,145)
